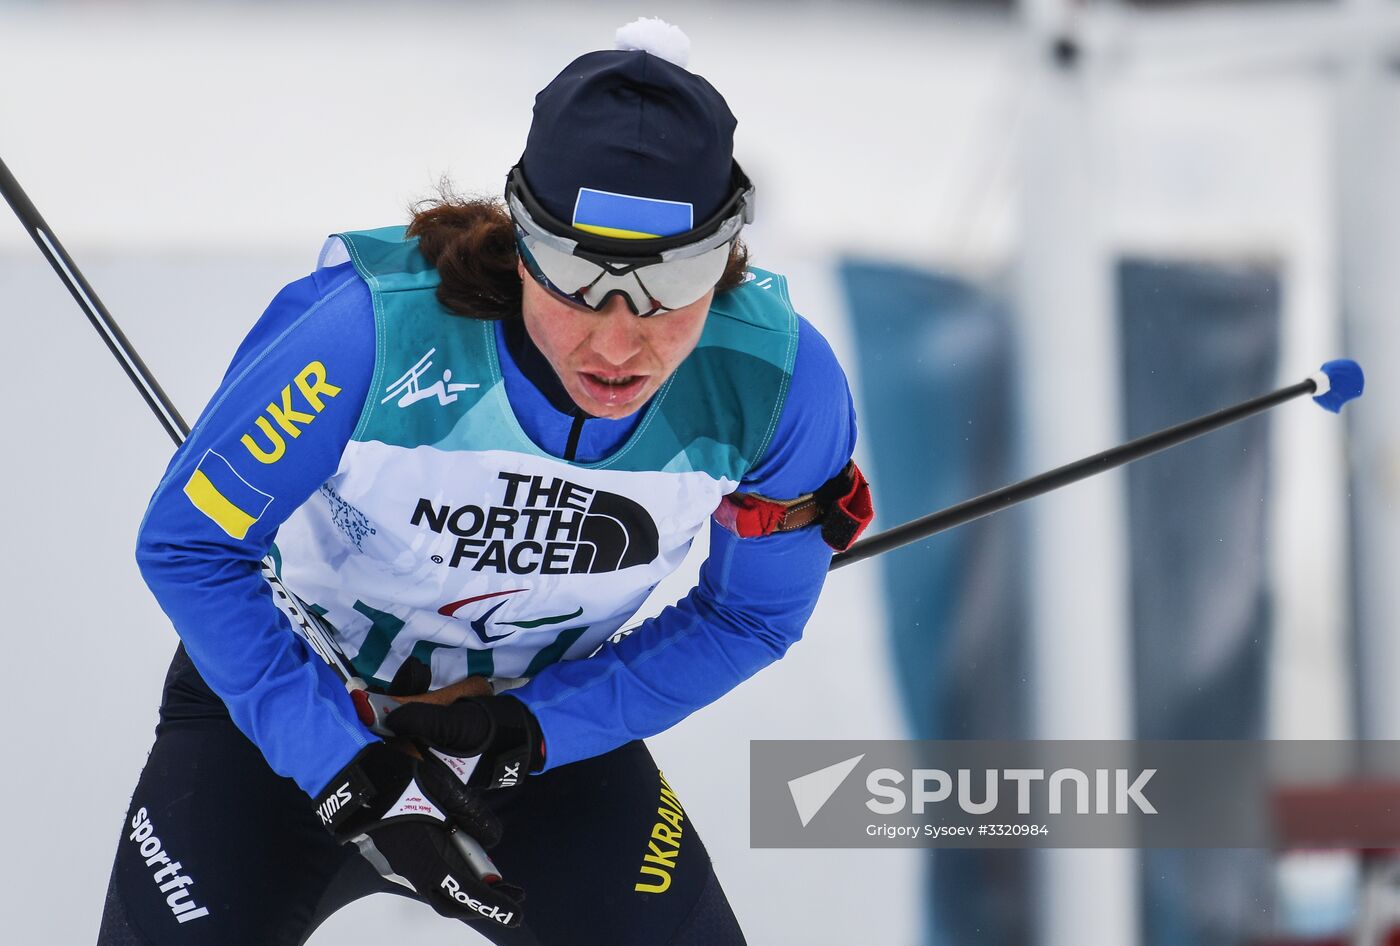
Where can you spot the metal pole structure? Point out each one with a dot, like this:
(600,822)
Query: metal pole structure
(1079,609)
(1368,231)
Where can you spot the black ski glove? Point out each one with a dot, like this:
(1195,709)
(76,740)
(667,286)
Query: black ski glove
(403,812)
(499,729)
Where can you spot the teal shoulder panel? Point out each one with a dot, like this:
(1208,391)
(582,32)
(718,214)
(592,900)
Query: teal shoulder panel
(388,260)
(757,316)
(433,368)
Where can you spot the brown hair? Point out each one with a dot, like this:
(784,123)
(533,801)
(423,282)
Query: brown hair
(471,241)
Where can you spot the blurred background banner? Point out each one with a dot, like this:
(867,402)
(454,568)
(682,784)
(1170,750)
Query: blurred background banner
(1030,231)
(956,603)
(1197,335)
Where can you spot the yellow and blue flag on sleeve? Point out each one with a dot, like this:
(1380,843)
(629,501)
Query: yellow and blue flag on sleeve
(220,493)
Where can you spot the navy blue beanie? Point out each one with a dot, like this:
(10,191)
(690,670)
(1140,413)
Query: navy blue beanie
(626,143)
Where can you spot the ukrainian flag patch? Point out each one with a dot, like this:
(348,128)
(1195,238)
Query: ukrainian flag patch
(630,218)
(220,493)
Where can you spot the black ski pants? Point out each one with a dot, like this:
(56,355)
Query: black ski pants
(218,850)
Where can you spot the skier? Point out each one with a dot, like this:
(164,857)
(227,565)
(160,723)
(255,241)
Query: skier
(473,446)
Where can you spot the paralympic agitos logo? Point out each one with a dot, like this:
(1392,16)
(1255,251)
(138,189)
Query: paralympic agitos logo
(545,526)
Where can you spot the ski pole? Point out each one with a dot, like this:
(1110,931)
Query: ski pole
(302,618)
(1332,386)
(92,306)
(371,708)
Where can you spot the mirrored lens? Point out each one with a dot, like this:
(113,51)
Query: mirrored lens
(570,276)
(678,283)
(649,289)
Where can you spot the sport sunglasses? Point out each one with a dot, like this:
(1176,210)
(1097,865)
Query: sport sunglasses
(652,275)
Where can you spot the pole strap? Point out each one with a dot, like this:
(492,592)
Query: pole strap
(842,507)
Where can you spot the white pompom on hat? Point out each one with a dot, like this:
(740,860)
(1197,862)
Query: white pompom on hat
(650,34)
(635,122)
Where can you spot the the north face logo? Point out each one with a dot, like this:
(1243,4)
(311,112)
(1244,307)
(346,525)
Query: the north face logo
(545,526)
